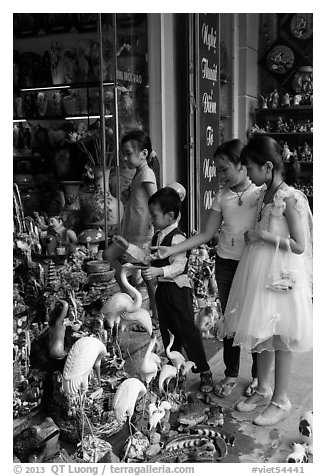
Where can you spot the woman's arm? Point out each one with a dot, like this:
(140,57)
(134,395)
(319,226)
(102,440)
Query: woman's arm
(212,225)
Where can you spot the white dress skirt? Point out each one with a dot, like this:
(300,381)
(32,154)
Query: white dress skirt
(264,313)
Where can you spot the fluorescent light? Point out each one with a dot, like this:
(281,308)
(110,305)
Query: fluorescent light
(73,118)
(48,87)
(19,120)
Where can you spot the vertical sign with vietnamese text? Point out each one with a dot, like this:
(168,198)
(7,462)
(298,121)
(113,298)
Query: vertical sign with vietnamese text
(207,112)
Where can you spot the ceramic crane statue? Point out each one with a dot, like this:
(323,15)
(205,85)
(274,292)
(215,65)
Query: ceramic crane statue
(175,357)
(124,400)
(185,369)
(121,302)
(141,318)
(85,354)
(149,367)
(167,373)
(156,413)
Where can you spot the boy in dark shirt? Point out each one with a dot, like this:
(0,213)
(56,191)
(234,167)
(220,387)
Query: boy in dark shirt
(173,294)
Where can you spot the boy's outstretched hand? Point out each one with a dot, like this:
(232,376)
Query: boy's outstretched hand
(160,252)
(151,273)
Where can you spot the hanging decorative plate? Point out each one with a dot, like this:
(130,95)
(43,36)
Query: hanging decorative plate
(301,25)
(280,59)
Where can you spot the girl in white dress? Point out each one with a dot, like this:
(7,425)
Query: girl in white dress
(269,310)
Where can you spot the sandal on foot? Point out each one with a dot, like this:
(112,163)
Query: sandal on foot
(274,413)
(206,382)
(261,398)
(225,387)
(251,389)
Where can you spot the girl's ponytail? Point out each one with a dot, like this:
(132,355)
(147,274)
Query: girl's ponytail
(154,164)
(291,170)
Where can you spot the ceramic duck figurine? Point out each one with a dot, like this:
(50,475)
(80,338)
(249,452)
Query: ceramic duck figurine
(48,350)
(57,331)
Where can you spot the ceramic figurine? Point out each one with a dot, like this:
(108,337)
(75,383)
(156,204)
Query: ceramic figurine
(286,154)
(174,356)
(279,124)
(41,103)
(292,126)
(274,99)
(59,237)
(125,399)
(167,373)
(149,366)
(285,102)
(121,302)
(262,101)
(297,99)
(299,454)
(57,330)
(268,126)
(306,430)
(157,413)
(57,103)
(19,107)
(141,317)
(85,354)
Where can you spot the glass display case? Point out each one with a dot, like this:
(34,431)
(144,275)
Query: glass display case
(80,82)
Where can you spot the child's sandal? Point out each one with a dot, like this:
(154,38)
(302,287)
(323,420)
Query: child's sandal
(225,388)
(206,382)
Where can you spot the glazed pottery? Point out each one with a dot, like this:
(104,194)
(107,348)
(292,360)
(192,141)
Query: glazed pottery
(71,194)
(92,203)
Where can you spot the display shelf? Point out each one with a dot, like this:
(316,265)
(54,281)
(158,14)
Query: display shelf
(294,134)
(300,115)
(280,110)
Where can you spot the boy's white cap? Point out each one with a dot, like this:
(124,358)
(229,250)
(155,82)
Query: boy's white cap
(178,188)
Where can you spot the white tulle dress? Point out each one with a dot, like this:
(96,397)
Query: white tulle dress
(259,316)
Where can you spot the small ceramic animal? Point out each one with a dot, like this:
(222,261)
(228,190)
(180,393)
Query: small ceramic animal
(306,429)
(299,454)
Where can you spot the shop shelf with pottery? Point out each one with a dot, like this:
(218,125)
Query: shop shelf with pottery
(288,118)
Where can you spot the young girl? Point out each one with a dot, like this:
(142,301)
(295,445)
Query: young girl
(136,147)
(232,213)
(270,313)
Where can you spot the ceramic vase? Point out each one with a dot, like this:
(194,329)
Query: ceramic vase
(71,194)
(92,203)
